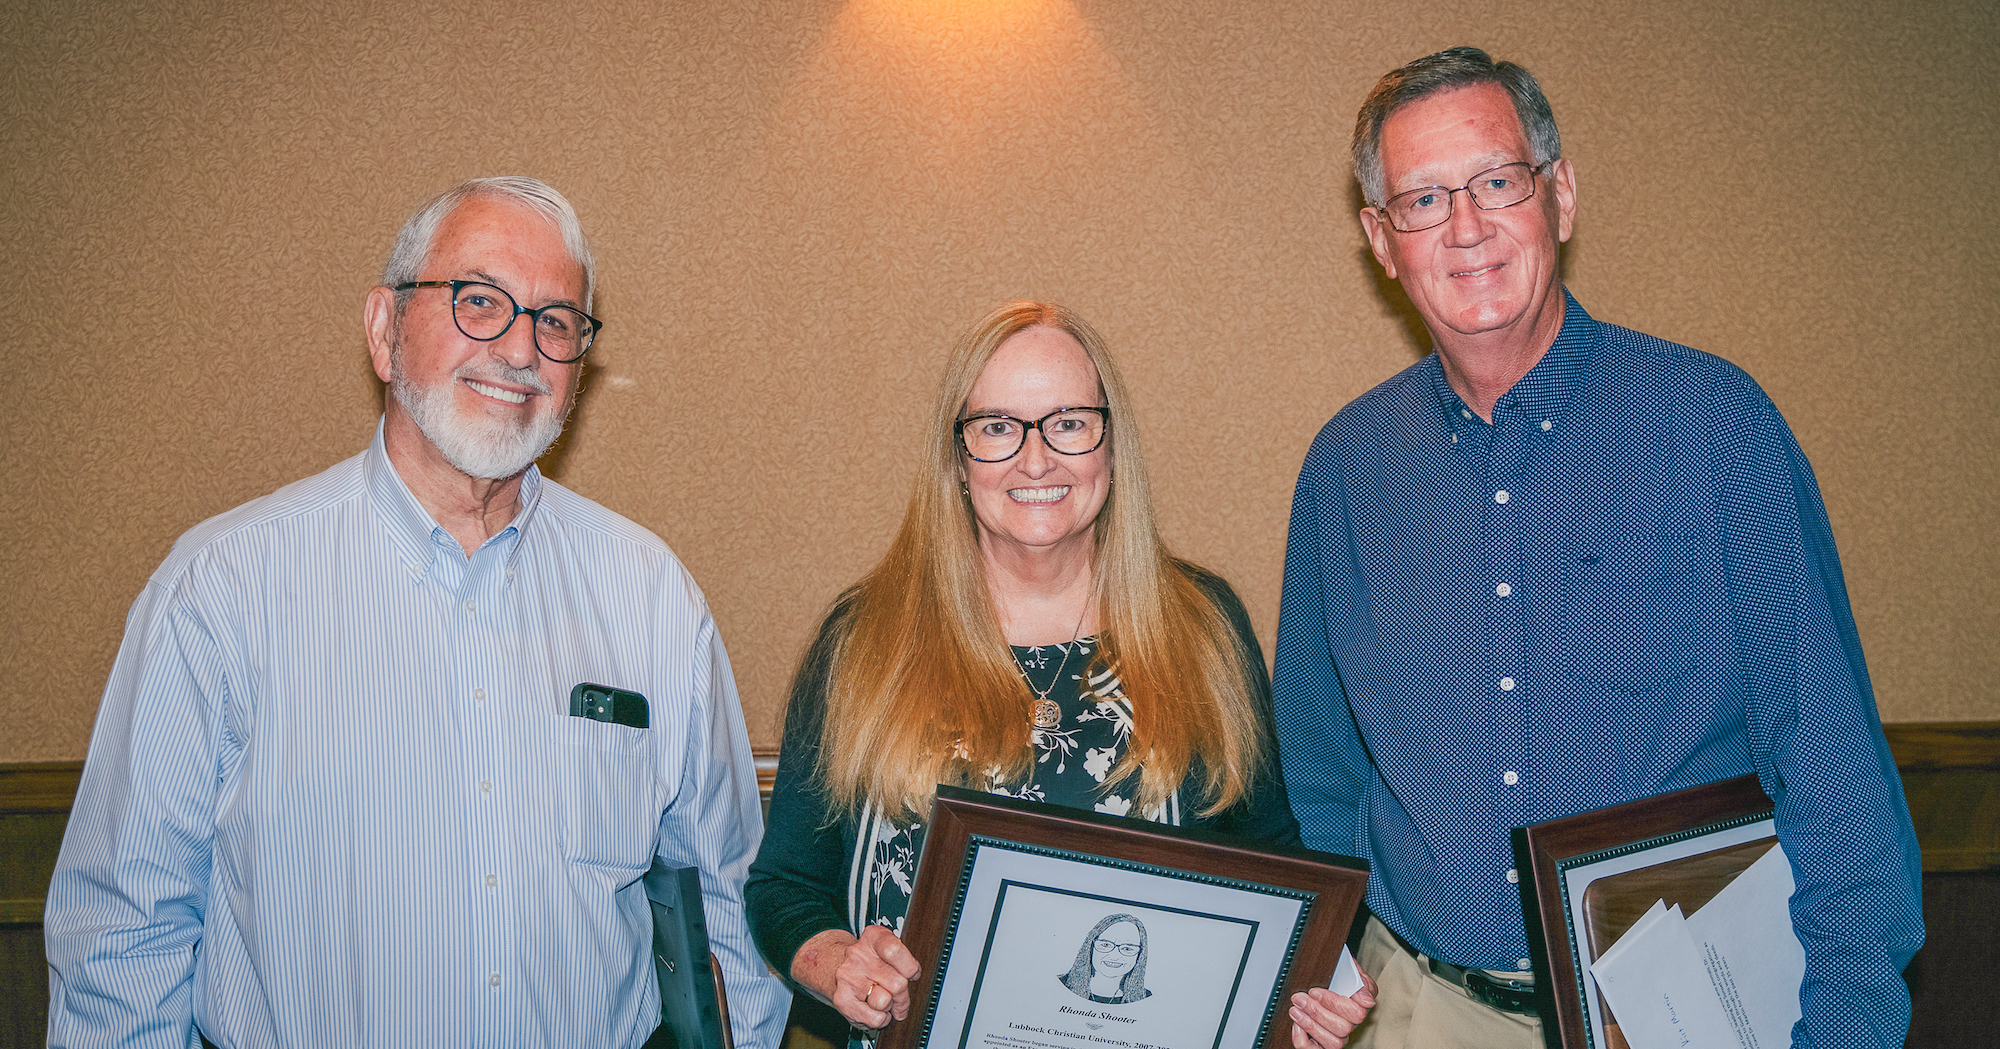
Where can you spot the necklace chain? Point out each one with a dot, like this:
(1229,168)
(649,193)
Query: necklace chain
(1045,712)
(1043,693)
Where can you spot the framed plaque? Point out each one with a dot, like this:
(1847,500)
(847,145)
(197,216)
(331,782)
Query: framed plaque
(694,1008)
(1595,873)
(1041,926)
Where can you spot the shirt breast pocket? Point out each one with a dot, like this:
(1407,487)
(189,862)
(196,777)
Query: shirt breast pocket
(607,794)
(1626,607)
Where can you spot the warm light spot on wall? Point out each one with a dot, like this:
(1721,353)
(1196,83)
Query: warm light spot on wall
(954,44)
(953,73)
(930,18)
(955,151)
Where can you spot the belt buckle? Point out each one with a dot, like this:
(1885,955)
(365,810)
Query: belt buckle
(1505,995)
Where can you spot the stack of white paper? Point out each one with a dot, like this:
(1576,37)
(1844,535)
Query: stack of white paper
(1728,975)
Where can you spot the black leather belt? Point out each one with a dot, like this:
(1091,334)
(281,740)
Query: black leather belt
(1504,994)
(1509,995)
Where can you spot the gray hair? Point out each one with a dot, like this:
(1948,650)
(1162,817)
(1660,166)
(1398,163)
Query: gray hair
(413,244)
(1447,70)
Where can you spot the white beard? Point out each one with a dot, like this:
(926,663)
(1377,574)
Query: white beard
(476,445)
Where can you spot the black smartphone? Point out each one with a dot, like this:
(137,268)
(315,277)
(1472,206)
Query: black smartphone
(604,703)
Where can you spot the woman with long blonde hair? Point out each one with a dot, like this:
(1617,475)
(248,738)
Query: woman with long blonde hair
(1027,633)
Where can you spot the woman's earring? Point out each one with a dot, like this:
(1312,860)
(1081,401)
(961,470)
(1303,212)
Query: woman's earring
(964,489)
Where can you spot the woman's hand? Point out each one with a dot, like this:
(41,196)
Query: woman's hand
(1322,1019)
(867,979)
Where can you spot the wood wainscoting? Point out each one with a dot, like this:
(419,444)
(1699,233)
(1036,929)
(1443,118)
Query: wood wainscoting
(34,806)
(1951,776)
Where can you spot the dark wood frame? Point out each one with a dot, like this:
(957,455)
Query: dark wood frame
(694,1005)
(961,818)
(1548,851)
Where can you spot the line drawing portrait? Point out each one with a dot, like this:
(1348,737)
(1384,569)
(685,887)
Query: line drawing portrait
(1110,965)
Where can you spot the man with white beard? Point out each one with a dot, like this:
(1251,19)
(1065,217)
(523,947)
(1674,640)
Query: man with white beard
(336,794)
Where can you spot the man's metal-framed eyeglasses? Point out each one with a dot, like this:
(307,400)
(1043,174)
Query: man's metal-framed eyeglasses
(996,437)
(484,312)
(1490,190)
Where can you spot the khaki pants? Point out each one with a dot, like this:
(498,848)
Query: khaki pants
(1415,1009)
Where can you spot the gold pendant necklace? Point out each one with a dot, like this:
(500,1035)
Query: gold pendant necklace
(1046,713)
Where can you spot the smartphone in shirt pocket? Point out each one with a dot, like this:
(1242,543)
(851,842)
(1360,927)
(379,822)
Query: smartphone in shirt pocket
(608,786)
(603,703)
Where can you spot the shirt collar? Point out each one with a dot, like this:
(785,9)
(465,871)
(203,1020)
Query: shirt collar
(412,530)
(1542,395)
(531,501)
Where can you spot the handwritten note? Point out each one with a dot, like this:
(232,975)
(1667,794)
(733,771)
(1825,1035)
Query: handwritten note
(1655,982)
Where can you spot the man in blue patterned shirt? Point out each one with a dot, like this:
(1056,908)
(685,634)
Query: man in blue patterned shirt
(1558,565)
(335,796)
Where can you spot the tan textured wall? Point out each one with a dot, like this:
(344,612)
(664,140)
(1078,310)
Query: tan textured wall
(796,204)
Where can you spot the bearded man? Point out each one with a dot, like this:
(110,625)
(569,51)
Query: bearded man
(335,794)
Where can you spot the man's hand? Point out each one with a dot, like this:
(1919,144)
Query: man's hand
(1322,1019)
(866,979)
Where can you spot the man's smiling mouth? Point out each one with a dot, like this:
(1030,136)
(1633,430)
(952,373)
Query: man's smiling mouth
(496,392)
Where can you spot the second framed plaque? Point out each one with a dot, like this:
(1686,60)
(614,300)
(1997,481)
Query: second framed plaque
(1039,926)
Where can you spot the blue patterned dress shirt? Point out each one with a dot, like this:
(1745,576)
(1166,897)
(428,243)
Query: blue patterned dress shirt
(334,795)
(1624,585)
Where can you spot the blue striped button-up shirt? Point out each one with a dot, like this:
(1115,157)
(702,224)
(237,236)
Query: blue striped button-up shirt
(334,795)
(1624,585)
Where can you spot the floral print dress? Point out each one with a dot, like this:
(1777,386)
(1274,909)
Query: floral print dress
(1087,737)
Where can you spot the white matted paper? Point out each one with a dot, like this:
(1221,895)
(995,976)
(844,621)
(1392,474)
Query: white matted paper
(1023,967)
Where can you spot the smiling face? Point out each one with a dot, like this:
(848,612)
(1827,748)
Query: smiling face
(1039,503)
(477,409)
(1482,277)
(1109,955)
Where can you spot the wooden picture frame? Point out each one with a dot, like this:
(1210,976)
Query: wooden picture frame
(1005,887)
(1595,873)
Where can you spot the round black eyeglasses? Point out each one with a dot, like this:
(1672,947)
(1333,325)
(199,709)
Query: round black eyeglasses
(484,312)
(996,438)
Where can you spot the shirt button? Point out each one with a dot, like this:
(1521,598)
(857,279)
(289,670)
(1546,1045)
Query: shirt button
(492,880)
(1513,876)
(1506,684)
(486,786)
(1510,777)
(1523,964)
(493,980)
(471,606)
(1547,426)
(1503,590)
(1498,497)
(480,693)
(1467,412)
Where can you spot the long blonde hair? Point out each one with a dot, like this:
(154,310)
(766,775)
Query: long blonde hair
(923,688)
